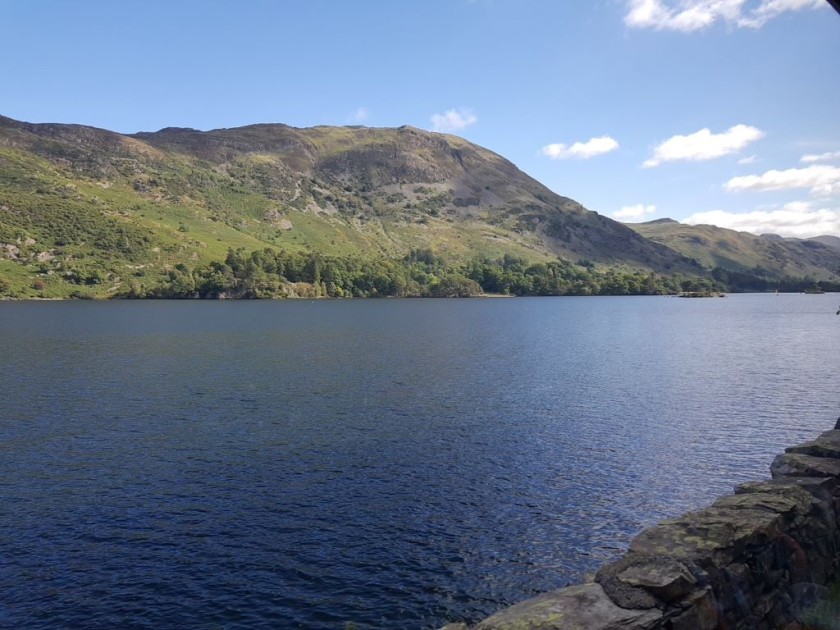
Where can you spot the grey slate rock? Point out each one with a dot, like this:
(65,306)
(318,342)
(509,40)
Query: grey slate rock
(581,607)
(796,465)
(646,581)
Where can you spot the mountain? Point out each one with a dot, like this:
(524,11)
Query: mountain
(831,241)
(95,208)
(742,252)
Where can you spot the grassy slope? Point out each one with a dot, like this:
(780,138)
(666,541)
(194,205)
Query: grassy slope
(89,212)
(63,225)
(104,229)
(740,251)
(412,179)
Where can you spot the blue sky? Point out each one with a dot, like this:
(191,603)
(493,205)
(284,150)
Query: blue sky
(698,110)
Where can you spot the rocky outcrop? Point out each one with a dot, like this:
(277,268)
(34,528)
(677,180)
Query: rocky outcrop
(756,559)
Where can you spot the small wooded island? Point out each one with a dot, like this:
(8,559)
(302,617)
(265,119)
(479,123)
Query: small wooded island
(701,294)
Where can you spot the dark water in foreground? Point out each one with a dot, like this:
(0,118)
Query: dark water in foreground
(391,463)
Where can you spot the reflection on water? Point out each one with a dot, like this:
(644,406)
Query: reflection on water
(396,463)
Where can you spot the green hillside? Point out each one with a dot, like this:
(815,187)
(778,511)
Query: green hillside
(740,252)
(88,212)
(271,210)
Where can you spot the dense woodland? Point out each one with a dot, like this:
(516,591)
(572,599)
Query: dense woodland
(272,274)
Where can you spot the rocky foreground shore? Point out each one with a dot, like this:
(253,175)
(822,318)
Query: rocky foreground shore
(758,559)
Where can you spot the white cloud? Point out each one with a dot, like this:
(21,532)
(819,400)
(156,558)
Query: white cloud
(694,15)
(581,150)
(798,219)
(453,120)
(752,159)
(827,190)
(704,145)
(769,9)
(823,180)
(634,212)
(360,115)
(821,157)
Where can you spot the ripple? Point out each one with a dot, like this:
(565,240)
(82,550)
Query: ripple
(392,463)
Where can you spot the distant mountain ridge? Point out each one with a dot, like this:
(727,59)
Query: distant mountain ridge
(712,246)
(831,241)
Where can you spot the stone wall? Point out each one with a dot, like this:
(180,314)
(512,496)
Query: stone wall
(756,559)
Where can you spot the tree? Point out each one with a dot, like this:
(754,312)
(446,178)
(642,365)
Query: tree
(455,285)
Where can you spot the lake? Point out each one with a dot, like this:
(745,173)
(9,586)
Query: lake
(390,463)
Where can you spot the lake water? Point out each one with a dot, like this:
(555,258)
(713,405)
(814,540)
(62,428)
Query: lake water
(391,463)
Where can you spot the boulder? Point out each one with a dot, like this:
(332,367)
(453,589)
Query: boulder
(792,502)
(712,537)
(701,613)
(821,488)
(821,447)
(646,581)
(581,607)
(797,465)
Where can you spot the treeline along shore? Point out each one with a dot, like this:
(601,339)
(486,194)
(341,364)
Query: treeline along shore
(271,273)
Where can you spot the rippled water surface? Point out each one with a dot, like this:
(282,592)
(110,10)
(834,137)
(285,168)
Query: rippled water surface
(388,463)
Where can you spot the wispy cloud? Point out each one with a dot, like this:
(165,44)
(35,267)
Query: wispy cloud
(634,212)
(823,180)
(360,115)
(453,120)
(694,15)
(820,157)
(752,159)
(581,150)
(704,145)
(769,9)
(798,219)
